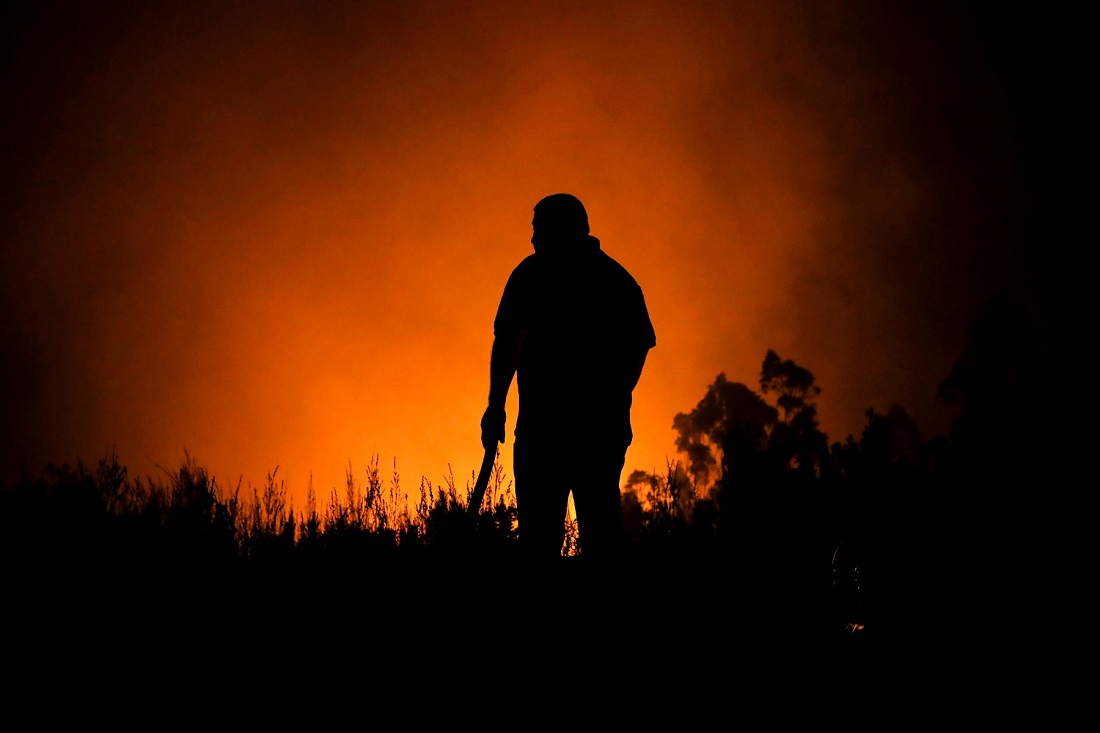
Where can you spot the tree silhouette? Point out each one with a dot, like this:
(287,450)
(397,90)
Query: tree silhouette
(1003,384)
(1009,460)
(796,443)
(730,418)
(761,457)
(751,454)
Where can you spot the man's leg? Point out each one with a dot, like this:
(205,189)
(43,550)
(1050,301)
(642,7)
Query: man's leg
(599,504)
(542,497)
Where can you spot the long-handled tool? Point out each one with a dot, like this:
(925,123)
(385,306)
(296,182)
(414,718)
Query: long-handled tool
(503,365)
(477,496)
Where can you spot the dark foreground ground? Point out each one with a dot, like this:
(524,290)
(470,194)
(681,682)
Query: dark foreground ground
(688,644)
(626,614)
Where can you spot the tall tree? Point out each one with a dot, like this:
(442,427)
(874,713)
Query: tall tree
(728,424)
(796,444)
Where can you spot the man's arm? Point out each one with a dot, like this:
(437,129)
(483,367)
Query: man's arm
(502,368)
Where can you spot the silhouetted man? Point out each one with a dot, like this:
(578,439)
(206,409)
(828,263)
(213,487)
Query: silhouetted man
(573,327)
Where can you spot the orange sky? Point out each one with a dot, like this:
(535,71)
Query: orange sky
(276,235)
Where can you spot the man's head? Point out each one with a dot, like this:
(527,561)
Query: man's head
(558,218)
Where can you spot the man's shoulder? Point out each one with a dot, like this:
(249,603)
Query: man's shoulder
(527,264)
(525,270)
(616,269)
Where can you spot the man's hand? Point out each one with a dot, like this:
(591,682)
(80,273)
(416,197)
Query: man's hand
(492,427)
